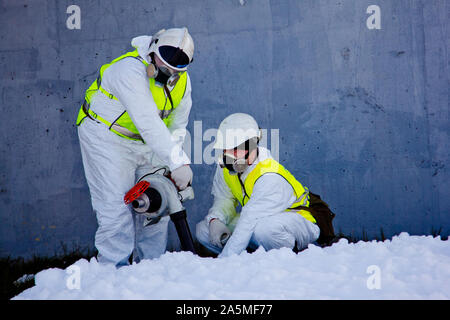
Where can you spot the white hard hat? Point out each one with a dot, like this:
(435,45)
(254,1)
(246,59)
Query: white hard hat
(174,47)
(235,130)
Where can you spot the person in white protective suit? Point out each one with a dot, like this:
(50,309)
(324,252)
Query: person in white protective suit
(269,195)
(134,119)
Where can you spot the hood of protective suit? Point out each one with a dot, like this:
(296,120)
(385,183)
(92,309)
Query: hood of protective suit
(142,44)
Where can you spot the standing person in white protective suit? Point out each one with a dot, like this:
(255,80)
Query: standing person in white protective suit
(269,195)
(133,119)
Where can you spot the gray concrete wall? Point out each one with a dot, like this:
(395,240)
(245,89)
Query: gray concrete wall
(363,115)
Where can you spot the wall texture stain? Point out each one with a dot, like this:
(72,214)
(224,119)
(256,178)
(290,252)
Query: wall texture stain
(363,115)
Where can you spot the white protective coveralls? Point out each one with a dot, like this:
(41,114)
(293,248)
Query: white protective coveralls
(262,221)
(113,164)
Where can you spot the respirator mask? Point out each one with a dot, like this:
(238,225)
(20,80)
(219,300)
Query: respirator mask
(238,165)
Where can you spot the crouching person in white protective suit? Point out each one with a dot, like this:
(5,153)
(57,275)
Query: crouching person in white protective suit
(269,195)
(133,119)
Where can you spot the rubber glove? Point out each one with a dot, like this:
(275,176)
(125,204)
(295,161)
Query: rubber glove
(218,233)
(182,176)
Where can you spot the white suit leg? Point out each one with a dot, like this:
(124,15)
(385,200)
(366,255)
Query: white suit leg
(283,230)
(151,241)
(109,174)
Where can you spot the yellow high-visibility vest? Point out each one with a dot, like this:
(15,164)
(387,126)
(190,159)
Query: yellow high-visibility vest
(123,125)
(243,191)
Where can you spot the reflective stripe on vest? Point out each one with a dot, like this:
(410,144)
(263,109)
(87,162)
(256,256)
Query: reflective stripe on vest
(263,167)
(123,125)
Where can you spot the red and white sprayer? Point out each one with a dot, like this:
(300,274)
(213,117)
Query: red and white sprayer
(155,195)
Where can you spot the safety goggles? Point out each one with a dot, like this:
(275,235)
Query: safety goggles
(174,57)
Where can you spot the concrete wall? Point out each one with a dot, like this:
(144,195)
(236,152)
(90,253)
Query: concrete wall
(363,115)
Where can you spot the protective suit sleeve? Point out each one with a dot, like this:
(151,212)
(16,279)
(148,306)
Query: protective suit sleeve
(224,205)
(180,116)
(271,195)
(129,83)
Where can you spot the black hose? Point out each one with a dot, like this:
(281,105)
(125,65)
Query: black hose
(183,231)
